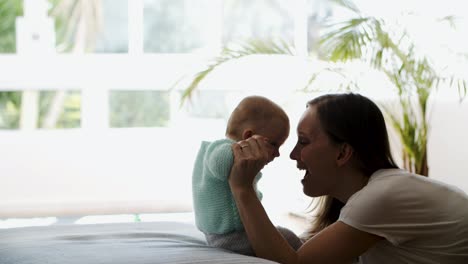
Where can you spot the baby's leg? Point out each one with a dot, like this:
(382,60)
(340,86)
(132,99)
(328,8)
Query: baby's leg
(235,241)
(239,243)
(293,240)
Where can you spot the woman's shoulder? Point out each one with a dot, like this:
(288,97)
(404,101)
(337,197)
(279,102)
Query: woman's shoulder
(389,181)
(389,176)
(381,185)
(396,189)
(394,202)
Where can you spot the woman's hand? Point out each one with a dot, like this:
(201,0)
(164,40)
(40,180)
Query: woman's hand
(250,156)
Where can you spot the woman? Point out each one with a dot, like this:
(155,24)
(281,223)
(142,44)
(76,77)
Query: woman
(374,211)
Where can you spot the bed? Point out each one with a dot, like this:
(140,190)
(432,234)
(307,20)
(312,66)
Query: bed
(135,243)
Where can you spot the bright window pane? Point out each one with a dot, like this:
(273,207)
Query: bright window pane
(10,103)
(139,108)
(56,109)
(113,37)
(59,109)
(97,26)
(318,11)
(176,26)
(9,10)
(260,19)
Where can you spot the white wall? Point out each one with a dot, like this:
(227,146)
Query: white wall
(448,143)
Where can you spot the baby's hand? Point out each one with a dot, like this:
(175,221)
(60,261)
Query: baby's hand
(250,156)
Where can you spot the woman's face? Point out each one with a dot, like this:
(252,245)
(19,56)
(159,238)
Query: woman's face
(316,154)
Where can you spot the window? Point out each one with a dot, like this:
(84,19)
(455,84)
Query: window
(177,26)
(59,109)
(10,103)
(139,108)
(9,11)
(261,19)
(54,109)
(113,36)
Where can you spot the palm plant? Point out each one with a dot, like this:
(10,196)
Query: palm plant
(393,52)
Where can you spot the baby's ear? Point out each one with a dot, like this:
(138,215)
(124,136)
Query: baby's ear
(247,134)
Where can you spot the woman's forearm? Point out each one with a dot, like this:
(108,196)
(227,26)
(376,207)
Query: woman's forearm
(265,239)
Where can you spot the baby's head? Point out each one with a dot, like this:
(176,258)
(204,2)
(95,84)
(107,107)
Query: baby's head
(261,116)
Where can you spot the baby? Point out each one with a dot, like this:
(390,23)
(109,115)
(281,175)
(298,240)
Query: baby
(216,213)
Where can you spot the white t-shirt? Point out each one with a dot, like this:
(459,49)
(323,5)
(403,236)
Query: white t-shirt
(421,219)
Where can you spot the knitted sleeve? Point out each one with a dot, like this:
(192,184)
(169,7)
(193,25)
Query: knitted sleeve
(219,161)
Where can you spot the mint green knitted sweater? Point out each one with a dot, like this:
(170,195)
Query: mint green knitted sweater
(215,209)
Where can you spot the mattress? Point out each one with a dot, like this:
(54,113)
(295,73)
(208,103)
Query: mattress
(135,243)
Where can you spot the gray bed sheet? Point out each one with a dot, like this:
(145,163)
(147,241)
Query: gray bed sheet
(129,243)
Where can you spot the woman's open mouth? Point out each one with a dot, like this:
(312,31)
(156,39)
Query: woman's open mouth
(306,176)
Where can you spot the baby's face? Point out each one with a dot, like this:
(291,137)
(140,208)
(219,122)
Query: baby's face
(276,135)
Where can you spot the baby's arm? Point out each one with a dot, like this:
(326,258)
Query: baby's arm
(219,161)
